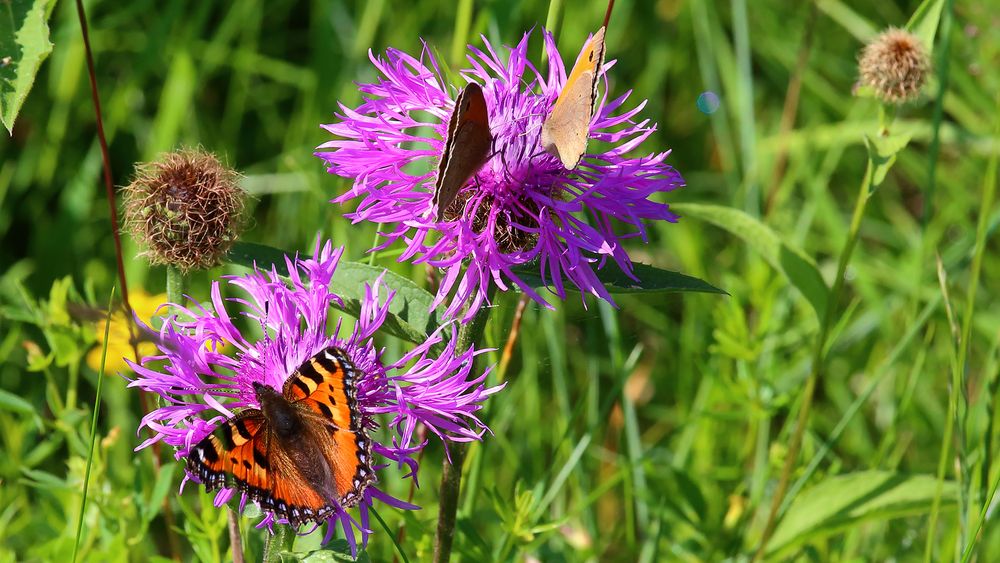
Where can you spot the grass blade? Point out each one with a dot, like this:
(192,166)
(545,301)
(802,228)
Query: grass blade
(93,424)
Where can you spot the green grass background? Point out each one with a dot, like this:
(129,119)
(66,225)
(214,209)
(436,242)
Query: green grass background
(656,431)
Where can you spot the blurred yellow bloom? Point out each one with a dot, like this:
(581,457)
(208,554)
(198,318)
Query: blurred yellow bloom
(145,306)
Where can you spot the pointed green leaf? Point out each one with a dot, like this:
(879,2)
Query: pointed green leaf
(24,44)
(844,501)
(857,25)
(798,267)
(410,316)
(651,280)
(924,22)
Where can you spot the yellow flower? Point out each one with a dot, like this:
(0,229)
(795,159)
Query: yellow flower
(119,348)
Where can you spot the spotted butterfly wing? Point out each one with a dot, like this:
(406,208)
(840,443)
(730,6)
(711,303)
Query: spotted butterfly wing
(303,452)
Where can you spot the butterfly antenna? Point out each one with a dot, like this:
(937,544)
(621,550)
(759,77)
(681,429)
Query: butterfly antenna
(607,15)
(265,322)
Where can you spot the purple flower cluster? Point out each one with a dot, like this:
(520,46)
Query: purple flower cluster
(522,208)
(278,327)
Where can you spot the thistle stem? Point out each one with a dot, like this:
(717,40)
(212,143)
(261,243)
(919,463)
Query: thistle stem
(175,287)
(451,473)
(235,539)
(278,542)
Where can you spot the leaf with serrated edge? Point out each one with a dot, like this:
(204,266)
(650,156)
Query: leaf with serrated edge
(24,38)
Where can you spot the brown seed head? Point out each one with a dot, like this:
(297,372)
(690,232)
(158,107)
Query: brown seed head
(186,207)
(895,65)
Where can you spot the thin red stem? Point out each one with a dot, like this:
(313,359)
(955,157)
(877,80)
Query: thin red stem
(109,185)
(109,188)
(607,15)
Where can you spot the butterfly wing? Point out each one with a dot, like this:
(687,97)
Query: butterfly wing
(466,149)
(324,388)
(241,453)
(567,128)
(234,455)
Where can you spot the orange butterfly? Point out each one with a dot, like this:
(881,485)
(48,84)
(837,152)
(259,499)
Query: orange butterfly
(302,453)
(567,127)
(466,149)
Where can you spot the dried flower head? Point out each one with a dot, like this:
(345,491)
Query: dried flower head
(895,65)
(186,208)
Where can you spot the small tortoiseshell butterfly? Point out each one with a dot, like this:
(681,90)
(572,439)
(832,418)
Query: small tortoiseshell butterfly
(303,452)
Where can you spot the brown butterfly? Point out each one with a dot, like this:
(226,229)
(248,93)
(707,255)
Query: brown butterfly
(302,453)
(566,129)
(466,149)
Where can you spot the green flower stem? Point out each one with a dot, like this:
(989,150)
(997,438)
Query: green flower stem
(279,542)
(819,354)
(175,286)
(451,473)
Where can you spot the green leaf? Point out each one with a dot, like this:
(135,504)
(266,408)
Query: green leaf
(410,316)
(924,22)
(847,500)
(24,44)
(798,267)
(651,280)
(15,404)
(337,550)
(882,153)
(855,24)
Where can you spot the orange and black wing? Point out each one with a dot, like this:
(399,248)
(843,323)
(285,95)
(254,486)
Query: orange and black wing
(242,454)
(325,389)
(234,455)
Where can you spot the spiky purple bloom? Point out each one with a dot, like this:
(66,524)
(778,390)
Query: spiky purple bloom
(523,206)
(281,327)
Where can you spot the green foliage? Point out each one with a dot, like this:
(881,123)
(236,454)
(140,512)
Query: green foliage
(24,45)
(654,431)
(795,264)
(648,279)
(410,315)
(848,500)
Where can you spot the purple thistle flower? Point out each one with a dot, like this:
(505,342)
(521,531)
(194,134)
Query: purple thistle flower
(522,206)
(202,387)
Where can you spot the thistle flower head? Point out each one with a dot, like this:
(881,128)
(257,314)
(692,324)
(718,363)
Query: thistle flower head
(185,208)
(277,328)
(522,209)
(895,65)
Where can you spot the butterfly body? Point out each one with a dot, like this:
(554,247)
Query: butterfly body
(302,453)
(567,127)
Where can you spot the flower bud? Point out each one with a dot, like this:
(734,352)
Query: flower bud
(895,65)
(186,208)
